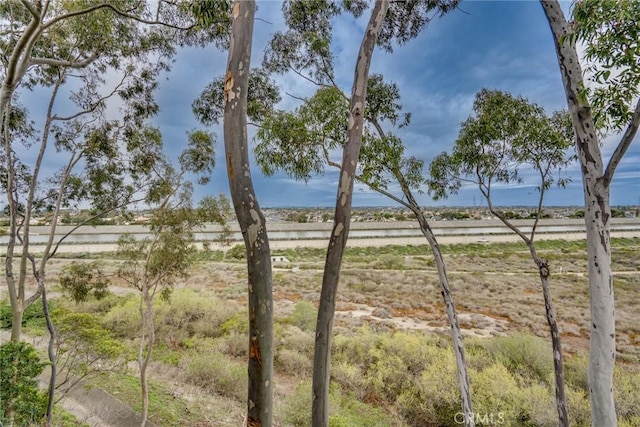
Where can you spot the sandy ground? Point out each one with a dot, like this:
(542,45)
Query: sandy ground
(358,242)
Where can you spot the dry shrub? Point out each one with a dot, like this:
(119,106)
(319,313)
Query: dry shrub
(293,338)
(627,393)
(234,344)
(185,315)
(525,354)
(216,373)
(291,362)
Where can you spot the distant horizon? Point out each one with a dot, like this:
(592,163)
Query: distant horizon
(448,207)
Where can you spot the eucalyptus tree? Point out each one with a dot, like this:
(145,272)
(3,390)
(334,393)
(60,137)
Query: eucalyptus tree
(305,49)
(89,53)
(506,136)
(301,143)
(152,265)
(608,29)
(250,218)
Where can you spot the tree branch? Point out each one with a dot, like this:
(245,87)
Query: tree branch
(94,106)
(624,144)
(31,8)
(62,63)
(114,10)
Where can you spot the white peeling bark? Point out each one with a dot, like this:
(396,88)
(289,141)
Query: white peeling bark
(602,346)
(342,218)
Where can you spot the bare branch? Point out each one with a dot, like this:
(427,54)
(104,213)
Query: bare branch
(94,106)
(299,98)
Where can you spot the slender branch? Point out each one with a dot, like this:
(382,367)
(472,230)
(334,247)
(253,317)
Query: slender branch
(297,97)
(114,10)
(89,220)
(540,200)
(31,8)
(63,63)
(624,144)
(365,182)
(95,104)
(307,78)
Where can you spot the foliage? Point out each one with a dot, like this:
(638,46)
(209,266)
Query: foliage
(215,373)
(506,135)
(79,280)
(32,316)
(22,401)
(185,315)
(610,35)
(84,349)
(344,410)
(237,252)
(523,353)
(304,315)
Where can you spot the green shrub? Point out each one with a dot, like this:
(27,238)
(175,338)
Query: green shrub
(293,338)
(579,407)
(238,252)
(22,401)
(238,323)
(526,354)
(389,262)
(233,344)
(576,372)
(103,305)
(124,320)
(32,316)
(496,391)
(216,373)
(627,393)
(344,410)
(304,315)
(433,398)
(184,315)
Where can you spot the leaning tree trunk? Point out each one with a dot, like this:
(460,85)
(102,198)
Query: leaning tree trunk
(602,346)
(456,334)
(51,353)
(556,346)
(342,218)
(250,218)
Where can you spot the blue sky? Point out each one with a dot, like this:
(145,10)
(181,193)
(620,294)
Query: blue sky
(504,45)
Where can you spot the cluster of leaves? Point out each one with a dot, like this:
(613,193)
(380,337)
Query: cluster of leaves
(506,135)
(22,402)
(611,39)
(305,48)
(80,280)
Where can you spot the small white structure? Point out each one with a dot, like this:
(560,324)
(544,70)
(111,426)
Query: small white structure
(279,259)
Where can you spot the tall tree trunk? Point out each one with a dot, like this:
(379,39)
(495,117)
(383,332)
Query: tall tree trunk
(16,298)
(250,218)
(550,312)
(51,353)
(602,346)
(342,219)
(456,334)
(146,343)
(556,345)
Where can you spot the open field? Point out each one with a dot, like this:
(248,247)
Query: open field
(391,334)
